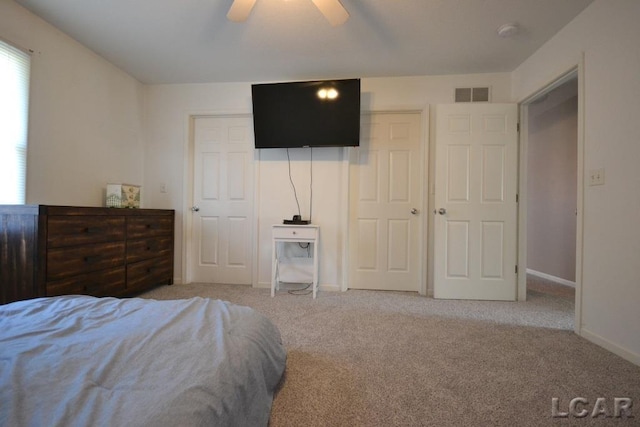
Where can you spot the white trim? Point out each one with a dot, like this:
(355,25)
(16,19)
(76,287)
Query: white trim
(558,280)
(329,288)
(424,169)
(580,197)
(558,81)
(610,346)
(348,156)
(326,287)
(187,196)
(573,71)
(523,147)
(256,218)
(187,187)
(430,194)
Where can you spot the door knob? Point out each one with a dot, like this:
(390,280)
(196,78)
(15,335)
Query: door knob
(414,211)
(195,209)
(442,211)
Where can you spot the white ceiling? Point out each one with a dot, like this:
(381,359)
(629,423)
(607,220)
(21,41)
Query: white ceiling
(191,41)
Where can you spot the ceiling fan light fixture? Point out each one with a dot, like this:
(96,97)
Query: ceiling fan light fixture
(240,10)
(333,10)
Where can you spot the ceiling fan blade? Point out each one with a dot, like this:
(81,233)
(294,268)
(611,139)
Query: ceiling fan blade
(240,10)
(333,10)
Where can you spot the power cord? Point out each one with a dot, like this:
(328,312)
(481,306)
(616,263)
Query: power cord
(301,291)
(295,193)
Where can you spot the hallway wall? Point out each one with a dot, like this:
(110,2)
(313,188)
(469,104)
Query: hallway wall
(551,183)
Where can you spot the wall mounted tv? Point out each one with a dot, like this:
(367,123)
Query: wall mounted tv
(306,114)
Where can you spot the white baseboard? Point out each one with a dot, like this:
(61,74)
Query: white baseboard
(321,287)
(612,347)
(267,285)
(329,288)
(559,280)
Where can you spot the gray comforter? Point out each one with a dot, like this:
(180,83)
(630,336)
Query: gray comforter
(84,361)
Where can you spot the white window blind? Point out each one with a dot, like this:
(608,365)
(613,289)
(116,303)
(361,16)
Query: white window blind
(14,117)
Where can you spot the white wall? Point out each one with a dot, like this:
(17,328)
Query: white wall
(167,111)
(608,34)
(85,118)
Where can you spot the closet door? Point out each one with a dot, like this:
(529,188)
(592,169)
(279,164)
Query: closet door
(222,226)
(385,225)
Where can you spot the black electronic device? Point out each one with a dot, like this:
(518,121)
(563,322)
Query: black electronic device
(296,220)
(322,113)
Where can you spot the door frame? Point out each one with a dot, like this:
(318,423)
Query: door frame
(575,71)
(350,161)
(187,190)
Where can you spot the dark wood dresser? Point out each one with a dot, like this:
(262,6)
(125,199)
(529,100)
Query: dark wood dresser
(60,250)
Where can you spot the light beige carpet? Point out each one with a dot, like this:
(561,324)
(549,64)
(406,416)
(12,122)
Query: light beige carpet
(549,287)
(364,358)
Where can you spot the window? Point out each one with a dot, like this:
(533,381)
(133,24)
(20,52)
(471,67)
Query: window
(14,115)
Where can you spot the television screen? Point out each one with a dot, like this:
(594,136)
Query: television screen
(306,114)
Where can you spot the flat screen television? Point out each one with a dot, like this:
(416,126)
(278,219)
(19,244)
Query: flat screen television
(306,114)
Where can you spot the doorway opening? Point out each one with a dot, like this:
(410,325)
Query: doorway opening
(551,188)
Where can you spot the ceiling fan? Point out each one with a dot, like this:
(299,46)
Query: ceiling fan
(333,10)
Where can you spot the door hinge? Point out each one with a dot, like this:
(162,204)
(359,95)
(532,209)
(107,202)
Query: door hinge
(518,127)
(516,269)
(517,198)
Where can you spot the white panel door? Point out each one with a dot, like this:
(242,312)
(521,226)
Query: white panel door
(385,225)
(475,201)
(222,231)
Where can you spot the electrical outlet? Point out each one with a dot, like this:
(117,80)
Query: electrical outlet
(163,188)
(596,177)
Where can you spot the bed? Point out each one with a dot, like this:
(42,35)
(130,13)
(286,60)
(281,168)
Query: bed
(85,361)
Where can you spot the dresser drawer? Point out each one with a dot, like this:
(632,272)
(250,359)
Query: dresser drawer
(295,232)
(145,274)
(63,262)
(98,283)
(82,229)
(145,226)
(140,249)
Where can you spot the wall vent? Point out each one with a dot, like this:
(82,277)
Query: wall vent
(472,94)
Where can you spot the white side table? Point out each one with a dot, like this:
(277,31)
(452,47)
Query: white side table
(294,269)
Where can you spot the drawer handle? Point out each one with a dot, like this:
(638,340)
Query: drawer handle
(90,230)
(294,232)
(91,259)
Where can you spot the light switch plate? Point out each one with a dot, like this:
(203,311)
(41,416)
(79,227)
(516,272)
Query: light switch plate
(596,177)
